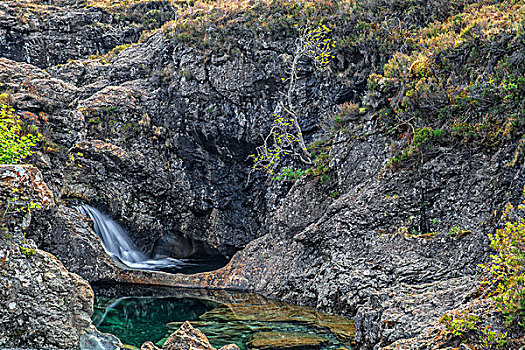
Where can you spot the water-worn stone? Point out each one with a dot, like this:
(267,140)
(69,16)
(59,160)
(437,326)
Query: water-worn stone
(42,304)
(69,236)
(284,340)
(187,338)
(229,347)
(149,346)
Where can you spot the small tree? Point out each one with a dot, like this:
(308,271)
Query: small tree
(285,137)
(14,144)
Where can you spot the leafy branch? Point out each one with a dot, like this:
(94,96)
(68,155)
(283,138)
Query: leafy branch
(285,138)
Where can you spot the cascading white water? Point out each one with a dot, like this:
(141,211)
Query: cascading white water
(117,243)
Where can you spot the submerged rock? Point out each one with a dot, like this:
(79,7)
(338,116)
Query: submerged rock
(285,340)
(255,311)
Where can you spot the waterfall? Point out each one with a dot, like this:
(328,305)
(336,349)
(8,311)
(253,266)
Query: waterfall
(119,245)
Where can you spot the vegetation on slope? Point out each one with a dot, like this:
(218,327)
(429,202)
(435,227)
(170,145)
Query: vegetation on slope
(504,285)
(16,142)
(465,79)
(507,268)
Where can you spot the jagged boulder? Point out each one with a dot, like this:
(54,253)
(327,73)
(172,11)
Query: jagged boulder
(42,305)
(69,236)
(187,338)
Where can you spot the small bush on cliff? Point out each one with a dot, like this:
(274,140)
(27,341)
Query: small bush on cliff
(507,268)
(285,138)
(110,56)
(15,145)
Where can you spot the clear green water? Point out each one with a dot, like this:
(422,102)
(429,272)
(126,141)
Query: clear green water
(137,315)
(136,320)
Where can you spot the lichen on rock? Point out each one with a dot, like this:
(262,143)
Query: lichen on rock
(42,305)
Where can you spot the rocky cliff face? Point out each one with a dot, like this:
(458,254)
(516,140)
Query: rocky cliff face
(166,152)
(159,137)
(42,305)
(46,33)
(357,254)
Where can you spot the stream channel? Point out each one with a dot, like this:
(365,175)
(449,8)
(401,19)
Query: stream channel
(136,314)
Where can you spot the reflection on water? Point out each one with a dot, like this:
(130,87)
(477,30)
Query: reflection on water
(140,314)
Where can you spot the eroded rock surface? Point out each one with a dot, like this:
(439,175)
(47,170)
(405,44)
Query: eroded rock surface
(42,305)
(69,236)
(187,338)
(166,157)
(46,33)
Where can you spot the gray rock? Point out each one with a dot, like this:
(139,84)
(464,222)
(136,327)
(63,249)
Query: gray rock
(42,305)
(186,338)
(46,33)
(148,346)
(159,138)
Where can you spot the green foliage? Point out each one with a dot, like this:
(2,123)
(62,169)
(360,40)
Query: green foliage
(459,325)
(420,138)
(451,77)
(94,120)
(507,268)
(75,161)
(15,145)
(319,46)
(20,203)
(110,56)
(458,231)
(468,327)
(320,152)
(28,252)
(492,339)
(425,134)
(289,174)
(334,194)
(285,138)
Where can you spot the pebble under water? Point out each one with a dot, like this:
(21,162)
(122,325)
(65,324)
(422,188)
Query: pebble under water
(139,314)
